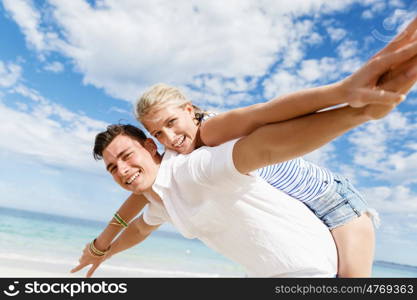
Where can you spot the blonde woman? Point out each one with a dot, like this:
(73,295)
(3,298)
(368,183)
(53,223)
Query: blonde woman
(182,127)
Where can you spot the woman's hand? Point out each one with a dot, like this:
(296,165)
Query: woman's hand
(361,88)
(400,80)
(384,77)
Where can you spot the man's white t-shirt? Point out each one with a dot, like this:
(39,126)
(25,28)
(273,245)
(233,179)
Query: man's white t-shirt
(240,216)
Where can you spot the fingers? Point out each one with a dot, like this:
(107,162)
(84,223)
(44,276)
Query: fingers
(401,39)
(378,111)
(382,64)
(92,270)
(401,84)
(401,79)
(77,268)
(377,96)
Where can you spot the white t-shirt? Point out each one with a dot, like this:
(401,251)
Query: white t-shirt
(240,216)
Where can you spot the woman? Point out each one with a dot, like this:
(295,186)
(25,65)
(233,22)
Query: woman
(172,119)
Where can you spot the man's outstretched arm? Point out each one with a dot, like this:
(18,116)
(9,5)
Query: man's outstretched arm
(127,211)
(137,231)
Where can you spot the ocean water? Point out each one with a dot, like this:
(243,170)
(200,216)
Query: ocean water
(41,239)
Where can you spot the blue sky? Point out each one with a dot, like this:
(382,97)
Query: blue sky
(69,68)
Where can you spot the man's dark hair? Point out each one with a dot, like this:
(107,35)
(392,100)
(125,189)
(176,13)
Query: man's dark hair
(103,139)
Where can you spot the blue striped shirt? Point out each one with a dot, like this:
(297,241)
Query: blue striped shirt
(298,178)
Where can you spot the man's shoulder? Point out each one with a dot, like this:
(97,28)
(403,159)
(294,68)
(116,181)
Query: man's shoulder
(201,152)
(203,164)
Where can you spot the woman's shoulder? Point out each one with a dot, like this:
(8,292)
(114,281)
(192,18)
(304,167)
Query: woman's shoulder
(208,114)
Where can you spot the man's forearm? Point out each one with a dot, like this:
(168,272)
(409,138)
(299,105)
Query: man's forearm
(129,209)
(130,237)
(287,140)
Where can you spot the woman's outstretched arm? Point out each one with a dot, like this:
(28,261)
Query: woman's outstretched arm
(242,121)
(278,142)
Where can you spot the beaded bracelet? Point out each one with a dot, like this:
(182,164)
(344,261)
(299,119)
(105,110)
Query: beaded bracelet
(120,221)
(94,251)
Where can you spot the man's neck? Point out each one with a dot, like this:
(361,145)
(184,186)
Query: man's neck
(154,195)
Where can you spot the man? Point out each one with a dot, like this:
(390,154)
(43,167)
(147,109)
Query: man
(209,194)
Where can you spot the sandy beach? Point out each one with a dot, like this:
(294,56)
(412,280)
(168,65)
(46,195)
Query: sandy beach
(20,266)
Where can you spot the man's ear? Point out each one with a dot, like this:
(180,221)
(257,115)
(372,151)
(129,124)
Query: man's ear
(150,145)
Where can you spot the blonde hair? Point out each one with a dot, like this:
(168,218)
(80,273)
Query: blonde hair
(163,95)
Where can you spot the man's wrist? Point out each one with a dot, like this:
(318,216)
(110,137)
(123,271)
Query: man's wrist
(339,91)
(100,245)
(362,114)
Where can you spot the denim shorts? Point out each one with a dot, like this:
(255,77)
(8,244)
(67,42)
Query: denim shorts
(340,204)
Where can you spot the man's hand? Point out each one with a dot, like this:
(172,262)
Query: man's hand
(88,259)
(400,80)
(400,74)
(360,89)
(402,39)
(385,76)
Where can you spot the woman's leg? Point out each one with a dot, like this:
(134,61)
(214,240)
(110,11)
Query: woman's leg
(355,242)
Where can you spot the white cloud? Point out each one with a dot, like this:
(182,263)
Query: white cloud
(379,148)
(396,3)
(10,73)
(282,82)
(375,7)
(396,199)
(57,190)
(324,69)
(378,6)
(28,18)
(314,39)
(336,34)
(367,14)
(48,133)
(29,93)
(322,156)
(308,73)
(120,110)
(350,172)
(55,67)
(220,92)
(347,49)
(412,145)
(124,46)
(22,106)
(164,51)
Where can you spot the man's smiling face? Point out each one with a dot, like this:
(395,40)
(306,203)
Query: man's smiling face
(133,166)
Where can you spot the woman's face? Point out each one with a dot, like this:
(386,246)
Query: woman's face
(173,126)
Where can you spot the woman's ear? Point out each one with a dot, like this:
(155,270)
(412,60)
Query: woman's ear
(189,108)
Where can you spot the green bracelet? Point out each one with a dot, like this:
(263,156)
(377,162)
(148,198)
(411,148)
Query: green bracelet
(120,220)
